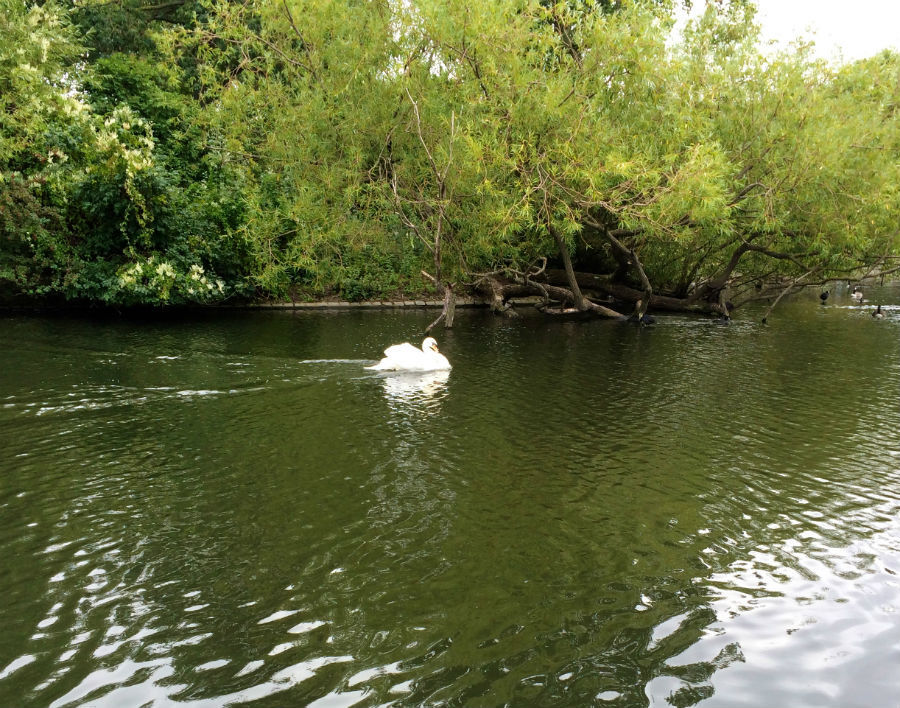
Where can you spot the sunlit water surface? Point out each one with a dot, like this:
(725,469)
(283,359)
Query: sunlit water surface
(229,510)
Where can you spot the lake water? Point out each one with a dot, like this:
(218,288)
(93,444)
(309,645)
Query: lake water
(229,510)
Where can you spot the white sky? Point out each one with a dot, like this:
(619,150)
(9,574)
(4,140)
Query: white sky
(860,28)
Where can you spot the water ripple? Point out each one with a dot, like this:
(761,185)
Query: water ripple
(236,512)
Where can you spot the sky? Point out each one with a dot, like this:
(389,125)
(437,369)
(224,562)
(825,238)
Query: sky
(860,28)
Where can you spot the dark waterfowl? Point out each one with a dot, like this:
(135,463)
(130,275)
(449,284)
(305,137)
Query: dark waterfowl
(857,294)
(823,296)
(878,314)
(644,319)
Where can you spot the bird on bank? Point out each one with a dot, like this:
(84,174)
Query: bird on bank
(878,314)
(406,357)
(857,294)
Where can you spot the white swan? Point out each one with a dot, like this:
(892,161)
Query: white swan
(405,357)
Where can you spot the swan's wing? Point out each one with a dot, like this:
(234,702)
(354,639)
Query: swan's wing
(441,362)
(401,351)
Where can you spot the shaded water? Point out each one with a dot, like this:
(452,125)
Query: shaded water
(230,510)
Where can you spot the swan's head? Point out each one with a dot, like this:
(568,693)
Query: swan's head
(429,344)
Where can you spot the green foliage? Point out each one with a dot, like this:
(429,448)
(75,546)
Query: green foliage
(28,236)
(315,147)
(104,169)
(38,47)
(374,272)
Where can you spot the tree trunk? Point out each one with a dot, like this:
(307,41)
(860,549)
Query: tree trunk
(570,271)
(448,311)
(625,293)
(501,291)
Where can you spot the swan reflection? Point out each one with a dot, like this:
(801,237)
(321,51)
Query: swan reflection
(415,387)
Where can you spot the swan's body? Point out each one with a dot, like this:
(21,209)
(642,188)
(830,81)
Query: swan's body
(406,357)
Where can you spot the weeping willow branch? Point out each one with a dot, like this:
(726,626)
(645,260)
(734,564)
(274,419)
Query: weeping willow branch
(794,284)
(440,177)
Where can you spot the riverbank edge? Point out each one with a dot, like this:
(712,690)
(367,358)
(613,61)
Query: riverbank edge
(368,304)
(298,305)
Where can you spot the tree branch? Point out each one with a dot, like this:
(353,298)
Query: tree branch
(794,283)
(303,41)
(570,271)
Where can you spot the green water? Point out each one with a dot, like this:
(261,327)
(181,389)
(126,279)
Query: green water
(229,510)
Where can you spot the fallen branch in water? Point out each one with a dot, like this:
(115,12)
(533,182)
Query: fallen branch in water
(449,309)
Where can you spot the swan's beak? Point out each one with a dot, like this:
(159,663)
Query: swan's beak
(434,347)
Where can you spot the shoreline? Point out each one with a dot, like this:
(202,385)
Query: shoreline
(362,304)
(308,306)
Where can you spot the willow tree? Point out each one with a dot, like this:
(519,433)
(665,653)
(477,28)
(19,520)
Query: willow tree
(688,171)
(555,149)
(297,104)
